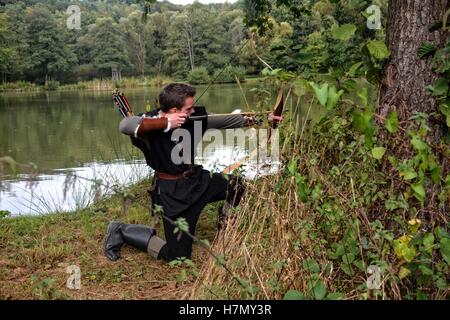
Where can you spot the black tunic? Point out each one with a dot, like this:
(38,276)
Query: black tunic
(175,196)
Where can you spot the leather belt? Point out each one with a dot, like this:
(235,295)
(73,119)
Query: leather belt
(167,176)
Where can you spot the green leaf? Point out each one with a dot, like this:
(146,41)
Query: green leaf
(301,87)
(392,122)
(419,191)
(402,248)
(426,49)
(409,175)
(333,97)
(321,92)
(349,85)
(425,270)
(363,94)
(318,289)
(428,242)
(182,276)
(335,296)
(378,49)
(440,87)
(311,265)
(302,187)
(354,68)
(404,272)
(344,32)
(294,295)
(292,167)
(445,249)
(378,152)
(419,144)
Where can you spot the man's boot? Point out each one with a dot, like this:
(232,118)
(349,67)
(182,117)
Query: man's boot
(113,240)
(136,235)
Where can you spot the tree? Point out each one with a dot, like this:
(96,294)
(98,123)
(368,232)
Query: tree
(107,46)
(406,75)
(48,52)
(138,35)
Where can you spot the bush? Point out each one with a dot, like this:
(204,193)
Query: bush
(51,85)
(230,73)
(198,76)
(18,86)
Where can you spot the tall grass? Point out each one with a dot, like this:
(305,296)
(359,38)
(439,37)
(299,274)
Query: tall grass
(315,229)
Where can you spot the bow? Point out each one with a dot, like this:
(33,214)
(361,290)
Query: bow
(277,111)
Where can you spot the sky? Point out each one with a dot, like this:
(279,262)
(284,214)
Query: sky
(202,1)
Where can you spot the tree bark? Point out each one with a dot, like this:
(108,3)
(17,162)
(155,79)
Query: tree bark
(404,82)
(406,76)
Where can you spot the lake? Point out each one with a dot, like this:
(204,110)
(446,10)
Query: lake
(77,133)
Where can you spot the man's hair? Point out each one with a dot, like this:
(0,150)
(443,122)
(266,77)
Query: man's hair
(174,94)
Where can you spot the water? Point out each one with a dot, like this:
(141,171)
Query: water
(77,133)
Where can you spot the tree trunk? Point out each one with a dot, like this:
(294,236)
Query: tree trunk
(406,76)
(404,82)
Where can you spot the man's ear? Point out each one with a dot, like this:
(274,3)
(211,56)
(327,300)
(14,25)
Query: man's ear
(173,110)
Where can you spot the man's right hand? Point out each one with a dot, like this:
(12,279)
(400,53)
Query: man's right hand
(176,119)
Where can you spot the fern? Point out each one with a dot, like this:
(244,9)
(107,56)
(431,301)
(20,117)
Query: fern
(426,49)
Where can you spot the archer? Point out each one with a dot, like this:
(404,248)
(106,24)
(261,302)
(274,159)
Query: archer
(182,190)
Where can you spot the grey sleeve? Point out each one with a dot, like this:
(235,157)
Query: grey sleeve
(226,121)
(129,125)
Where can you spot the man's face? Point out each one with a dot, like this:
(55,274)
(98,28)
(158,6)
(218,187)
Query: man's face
(188,106)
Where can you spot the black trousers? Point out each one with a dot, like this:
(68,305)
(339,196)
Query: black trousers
(220,188)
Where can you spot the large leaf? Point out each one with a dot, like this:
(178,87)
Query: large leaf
(392,122)
(344,32)
(301,87)
(321,92)
(378,49)
(333,97)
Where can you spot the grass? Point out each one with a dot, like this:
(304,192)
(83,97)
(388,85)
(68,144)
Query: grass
(93,85)
(35,252)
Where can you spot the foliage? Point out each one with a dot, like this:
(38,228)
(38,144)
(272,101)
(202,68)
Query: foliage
(198,76)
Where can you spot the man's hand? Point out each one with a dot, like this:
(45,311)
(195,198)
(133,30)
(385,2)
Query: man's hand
(273,118)
(176,119)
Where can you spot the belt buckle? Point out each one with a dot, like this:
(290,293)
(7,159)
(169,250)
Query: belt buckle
(187,174)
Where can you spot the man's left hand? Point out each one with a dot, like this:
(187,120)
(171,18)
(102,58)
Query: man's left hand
(273,118)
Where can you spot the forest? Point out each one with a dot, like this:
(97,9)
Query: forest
(359,208)
(184,42)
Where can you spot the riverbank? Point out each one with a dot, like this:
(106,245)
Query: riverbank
(94,85)
(36,251)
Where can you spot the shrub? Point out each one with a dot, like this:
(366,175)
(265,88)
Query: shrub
(198,76)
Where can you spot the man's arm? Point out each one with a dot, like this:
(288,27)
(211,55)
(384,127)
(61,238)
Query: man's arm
(137,126)
(229,121)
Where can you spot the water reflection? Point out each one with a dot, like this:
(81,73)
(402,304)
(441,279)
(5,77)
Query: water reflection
(77,132)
